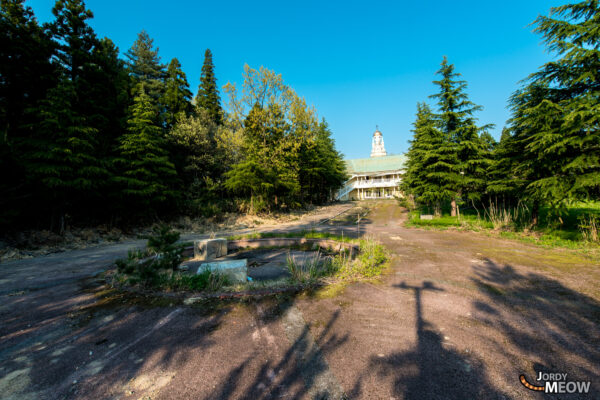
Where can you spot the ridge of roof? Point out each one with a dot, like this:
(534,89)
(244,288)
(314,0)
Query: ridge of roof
(376,164)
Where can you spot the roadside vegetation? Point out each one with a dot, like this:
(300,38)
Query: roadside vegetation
(94,135)
(541,181)
(579,229)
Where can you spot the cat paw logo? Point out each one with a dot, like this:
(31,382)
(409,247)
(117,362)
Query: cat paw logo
(555,383)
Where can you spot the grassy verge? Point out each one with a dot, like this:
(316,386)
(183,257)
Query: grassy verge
(573,233)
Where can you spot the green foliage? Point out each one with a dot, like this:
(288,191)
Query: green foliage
(371,261)
(146,174)
(163,244)
(288,158)
(177,94)
(431,162)
(162,253)
(147,71)
(556,114)
(208,94)
(449,154)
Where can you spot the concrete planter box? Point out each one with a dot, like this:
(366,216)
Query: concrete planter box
(209,249)
(235,245)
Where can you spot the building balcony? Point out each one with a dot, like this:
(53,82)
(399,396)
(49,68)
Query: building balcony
(375,183)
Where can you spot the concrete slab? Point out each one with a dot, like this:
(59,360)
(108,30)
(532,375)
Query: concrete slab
(209,249)
(236,270)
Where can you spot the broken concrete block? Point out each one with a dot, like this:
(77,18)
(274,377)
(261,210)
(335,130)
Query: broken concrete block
(209,249)
(236,270)
(425,216)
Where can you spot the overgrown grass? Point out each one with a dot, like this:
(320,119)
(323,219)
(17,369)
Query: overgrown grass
(371,261)
(580,227)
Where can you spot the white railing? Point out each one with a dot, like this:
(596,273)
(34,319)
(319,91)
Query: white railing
(373,183)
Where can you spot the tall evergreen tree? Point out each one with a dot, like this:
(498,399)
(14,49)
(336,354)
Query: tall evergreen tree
(146,175)
(146,70)
(431,162)
(505,181)
(79,58)
(26,74)
(61,159)
(208,93)
(458,124)
(556,116)
(177,95)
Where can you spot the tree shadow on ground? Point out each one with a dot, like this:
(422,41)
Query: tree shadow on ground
(551,327)
(100,337)
(431,370)
(302,371)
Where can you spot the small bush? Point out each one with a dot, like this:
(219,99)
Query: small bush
(162,253)
(163,244)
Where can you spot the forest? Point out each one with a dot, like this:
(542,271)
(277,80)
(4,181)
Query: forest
(89,137)
(548,157)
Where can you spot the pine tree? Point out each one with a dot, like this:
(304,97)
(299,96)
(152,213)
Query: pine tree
(61,159)
(505,180)
(146,174)
(78,59)
(177,95)
(26,75)
(556,116)
(458,124)
(146,70)
(208,93)
(431,166)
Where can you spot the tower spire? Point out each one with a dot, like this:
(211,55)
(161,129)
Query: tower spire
(377,147)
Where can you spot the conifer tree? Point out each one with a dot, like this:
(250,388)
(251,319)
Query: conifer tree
(61,159)
(146,69)
(556,116)
(26,75)
(458,124)
(505,181)
(177,95)
(146,175)
(431,162)
(208,93)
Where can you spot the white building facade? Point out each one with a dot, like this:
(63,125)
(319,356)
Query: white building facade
(376,177)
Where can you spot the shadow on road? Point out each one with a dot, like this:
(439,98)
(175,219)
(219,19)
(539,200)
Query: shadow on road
(302,372)
(432,370)
(544,320)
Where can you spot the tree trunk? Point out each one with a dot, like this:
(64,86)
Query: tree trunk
(453,208)
(437,210)
(535,213)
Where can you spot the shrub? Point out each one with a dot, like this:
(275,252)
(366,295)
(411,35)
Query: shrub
(162,252)
(163,244)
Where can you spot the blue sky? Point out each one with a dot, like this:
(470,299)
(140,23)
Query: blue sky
(360,63)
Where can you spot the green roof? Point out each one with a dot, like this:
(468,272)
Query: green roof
(375,164)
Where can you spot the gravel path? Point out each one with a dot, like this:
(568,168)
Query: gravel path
(457,316)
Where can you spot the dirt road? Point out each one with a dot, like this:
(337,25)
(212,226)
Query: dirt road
(457,316)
